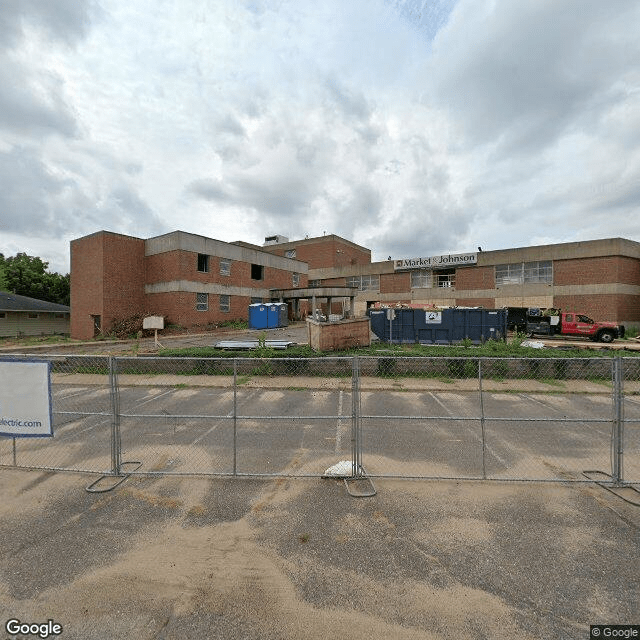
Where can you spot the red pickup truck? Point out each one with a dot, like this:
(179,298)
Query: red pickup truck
(573,324)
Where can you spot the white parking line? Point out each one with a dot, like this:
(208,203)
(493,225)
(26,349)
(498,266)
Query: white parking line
(471,431)
(342,423)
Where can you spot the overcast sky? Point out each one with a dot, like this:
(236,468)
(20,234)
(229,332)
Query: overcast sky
(413,127)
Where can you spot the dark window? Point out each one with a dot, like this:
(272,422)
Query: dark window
(59,315)
(257,272)
(203,262)
(202,301)
(97,325)
(3,314)
(32,316)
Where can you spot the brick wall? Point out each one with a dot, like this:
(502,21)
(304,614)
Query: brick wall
(107,280)
(604,270)
(180,309)
(323,252)
(335,336)
(395,282)
(86,285)
(475,278)
(123,278)
(487,303)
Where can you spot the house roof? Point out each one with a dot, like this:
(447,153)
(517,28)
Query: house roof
(14,302)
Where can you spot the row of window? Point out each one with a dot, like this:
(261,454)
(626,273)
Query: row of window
(202,302)
(539,272)
(225,265)
(257,270)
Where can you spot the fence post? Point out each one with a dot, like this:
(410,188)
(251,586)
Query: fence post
(618,421)
(235,416)
(114,396)
(482,421)
(356,444)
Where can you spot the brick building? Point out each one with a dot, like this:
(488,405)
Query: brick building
(599,277)
(192,280)
(196,281)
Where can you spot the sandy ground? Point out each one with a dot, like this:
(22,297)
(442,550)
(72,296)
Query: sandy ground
(301,559)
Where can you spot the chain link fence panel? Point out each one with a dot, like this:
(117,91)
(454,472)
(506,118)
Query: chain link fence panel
(82,419)
(631,417)
(437,417)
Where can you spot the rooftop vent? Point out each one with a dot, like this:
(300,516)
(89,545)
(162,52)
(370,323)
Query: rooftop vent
(275,240)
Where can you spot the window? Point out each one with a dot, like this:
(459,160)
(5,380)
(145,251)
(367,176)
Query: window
(445,279)
(290,253)
(422,279)
(364,283)
(225,303)
(256,300)
(202,302)
(257,272)
(203,263)
(295,277)
(32,316)
(58,315)
(314,283)
(2,315)
(225,267)
(540,272)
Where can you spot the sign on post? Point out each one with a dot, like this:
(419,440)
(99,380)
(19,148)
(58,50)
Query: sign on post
(25,399)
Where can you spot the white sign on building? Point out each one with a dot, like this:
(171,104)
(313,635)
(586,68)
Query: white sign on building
(25,399)
(446,261)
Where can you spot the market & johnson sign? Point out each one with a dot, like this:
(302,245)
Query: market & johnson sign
(437,262)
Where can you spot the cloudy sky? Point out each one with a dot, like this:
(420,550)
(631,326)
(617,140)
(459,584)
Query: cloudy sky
(413,127)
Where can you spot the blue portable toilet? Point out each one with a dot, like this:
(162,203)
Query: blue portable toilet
(258,316)
(273,316)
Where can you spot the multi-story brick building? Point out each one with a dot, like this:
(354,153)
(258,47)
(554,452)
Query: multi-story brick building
(599,277)
(192,280)
(196,281)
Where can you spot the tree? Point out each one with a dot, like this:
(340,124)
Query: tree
(29,276)
(3,282)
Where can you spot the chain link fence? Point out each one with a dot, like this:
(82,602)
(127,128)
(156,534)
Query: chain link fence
(550,419)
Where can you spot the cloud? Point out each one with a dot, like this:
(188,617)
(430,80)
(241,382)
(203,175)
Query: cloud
(411,126)
(65,20)
(32,104)
(523,73)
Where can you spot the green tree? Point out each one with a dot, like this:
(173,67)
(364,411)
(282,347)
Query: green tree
(3,281)
(27,275)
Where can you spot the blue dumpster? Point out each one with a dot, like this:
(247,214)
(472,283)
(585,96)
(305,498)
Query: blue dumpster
(439,326)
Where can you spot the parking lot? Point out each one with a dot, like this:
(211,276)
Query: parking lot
(303,430)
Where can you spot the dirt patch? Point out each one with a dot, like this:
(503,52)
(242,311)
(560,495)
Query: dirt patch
(223,558)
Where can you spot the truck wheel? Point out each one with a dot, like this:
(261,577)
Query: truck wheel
(607,336)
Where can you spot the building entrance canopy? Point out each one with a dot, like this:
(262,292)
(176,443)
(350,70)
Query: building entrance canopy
(329,293)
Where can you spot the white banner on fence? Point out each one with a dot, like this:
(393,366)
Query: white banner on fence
(25,399)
